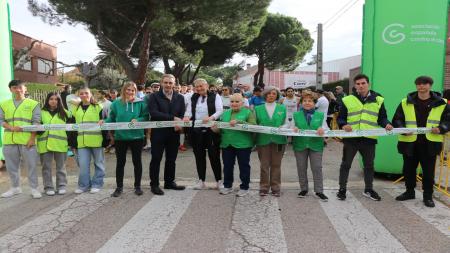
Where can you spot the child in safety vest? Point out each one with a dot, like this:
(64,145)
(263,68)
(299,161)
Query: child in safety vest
(309,147)
(52,144)
(89,143)
(14,114)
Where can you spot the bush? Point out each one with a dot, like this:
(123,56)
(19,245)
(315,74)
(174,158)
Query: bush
(332,86)
(36,87)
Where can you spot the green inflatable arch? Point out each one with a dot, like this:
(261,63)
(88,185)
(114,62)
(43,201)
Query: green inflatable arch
(402,39)
(6,69)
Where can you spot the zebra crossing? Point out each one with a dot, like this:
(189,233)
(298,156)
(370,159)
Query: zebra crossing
(204,221)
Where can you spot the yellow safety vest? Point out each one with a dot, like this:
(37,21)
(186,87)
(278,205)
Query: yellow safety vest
(433,120)
(362,116)
(52,140)
(20,116)
(88,139)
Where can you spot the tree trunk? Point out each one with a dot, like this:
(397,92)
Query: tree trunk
(196,71)
(141,70)
(261,73)
(255,78)
(167,69)
(188,74)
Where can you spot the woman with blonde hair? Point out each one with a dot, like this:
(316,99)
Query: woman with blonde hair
(129,108)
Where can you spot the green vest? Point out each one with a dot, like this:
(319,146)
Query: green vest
(88,139)
(362,116)
(235,138)
(20,116)
(433,120)
(52,140)
(314,143)
(277,120)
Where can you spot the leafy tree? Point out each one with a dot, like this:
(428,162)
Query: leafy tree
(282,43)
(128,28)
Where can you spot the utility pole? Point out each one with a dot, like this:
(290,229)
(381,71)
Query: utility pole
(319,61)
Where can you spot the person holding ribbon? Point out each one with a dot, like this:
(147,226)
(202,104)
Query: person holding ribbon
(236,144)
(128,108)
(309,118)
(361,111)
(89,143)
(14,113)
(205,106)
(53,144)
(422,108)
(270,146)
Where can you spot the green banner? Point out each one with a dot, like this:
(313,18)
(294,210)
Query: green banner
(402,40)
(6,68)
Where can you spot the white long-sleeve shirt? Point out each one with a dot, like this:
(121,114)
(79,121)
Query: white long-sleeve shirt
(201,109)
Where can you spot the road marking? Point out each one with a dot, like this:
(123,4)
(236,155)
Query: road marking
(439,216)
(152,225)
(358,229)
(34,235)
(256,225)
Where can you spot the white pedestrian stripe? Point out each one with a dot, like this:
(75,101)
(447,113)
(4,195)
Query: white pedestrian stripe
(34,235)
(256,225)
(438,216)
(358,229)
(150,228)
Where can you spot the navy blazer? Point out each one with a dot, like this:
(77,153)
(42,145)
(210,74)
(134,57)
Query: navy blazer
(163,109)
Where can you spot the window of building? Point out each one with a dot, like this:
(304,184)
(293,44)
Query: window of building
(27,66)
(45,66)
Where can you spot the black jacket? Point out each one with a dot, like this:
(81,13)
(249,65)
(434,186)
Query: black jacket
(434,148)
(382,117)
(163,109)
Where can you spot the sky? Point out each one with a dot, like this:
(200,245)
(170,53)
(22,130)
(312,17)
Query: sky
(342,37)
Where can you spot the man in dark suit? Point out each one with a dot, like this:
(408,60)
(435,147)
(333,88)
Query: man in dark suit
(165,105)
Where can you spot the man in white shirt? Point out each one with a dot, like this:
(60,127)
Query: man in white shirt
(322,106)
(205,106)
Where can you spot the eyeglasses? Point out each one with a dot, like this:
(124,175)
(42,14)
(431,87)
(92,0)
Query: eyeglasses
(422,84)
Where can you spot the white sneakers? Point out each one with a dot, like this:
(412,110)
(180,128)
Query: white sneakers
(50,192)
(78,191)
(225,191)
(94,190)
(61,191)
(242,193)
(11,192)
(36,194)
(220,185)
(200,185)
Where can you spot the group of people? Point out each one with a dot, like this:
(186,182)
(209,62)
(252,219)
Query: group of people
(360,111)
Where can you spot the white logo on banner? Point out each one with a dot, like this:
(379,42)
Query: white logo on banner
(392,36)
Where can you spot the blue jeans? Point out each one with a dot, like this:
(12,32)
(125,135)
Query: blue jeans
(229,155)
(84,161)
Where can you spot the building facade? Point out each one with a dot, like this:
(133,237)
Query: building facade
(42,66)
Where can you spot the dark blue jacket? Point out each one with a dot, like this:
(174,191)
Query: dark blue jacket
(163,109)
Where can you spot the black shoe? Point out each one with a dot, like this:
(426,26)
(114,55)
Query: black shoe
(138,191)
(322,196)
(371,194)
(405,196)
(117,192)
(341,194)
(156,190)
(302,194)
(174,186)
(428,202)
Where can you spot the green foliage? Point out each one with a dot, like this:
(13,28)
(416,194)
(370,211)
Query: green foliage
(35,87)
(332,86)
(225,73)
(282,43)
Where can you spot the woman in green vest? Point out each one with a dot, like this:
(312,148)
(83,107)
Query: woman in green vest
(309,147)
(89,144)
(52,144)
(270,147)
(236,144)
(128,108)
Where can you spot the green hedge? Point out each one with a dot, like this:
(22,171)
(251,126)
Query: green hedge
(34,87)
(332,86)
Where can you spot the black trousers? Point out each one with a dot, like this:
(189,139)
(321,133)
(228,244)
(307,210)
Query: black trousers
(427,163)
(204,139)
(367,151)
(166,140)
(121,156)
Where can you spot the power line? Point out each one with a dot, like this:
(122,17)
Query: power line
(340,15)
(335,14)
